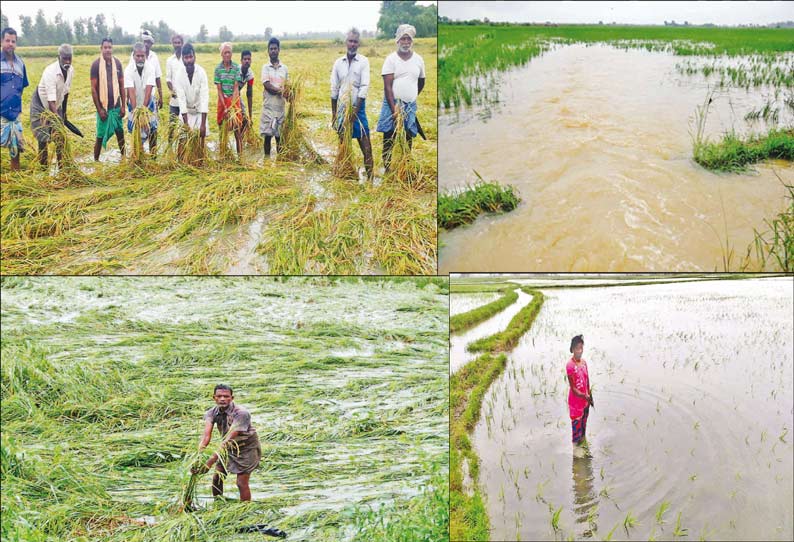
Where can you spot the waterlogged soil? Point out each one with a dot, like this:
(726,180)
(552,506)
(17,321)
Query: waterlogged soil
(693,406)
(598,142)
(459,356)
(346,382)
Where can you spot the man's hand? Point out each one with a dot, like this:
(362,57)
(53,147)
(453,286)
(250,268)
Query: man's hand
(199,468)
(122,111)
(159,102)
(103,114)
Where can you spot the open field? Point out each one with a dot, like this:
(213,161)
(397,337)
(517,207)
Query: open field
(671,147)
(257,216)
(690,432)
(105,381)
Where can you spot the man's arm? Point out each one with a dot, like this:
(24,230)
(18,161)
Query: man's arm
(159,93)
(249,95)
(65,103)
(207,436)
(231,435)
(123,96)
(271,89)
(388,79)
(421,85)
(147,97)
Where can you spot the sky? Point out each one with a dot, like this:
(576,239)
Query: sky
(239,17)
(645,12)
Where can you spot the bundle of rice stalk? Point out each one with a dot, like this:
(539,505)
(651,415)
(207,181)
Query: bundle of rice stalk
(294,144)
(190,148)
(193,460)
(231,122)
(141,118)
(404,168)
(345,166)
(251,135)
(59,136)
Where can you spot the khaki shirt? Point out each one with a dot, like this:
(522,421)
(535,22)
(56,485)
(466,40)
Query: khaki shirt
(237,419)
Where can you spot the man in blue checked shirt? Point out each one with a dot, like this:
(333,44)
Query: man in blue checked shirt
(13,80)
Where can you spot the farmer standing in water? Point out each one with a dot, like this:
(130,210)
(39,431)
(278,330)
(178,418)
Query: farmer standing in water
(239,440)
(579,398)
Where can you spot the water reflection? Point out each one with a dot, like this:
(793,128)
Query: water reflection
(585,502)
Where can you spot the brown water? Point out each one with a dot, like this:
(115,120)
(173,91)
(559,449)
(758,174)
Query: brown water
(597,141)
(693,389)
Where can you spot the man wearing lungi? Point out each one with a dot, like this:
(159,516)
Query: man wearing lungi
(107,84)
(274,75)
(239,444)
(52,95)
(349,86)
(13,80)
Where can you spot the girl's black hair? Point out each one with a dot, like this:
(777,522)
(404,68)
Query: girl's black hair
(579,339)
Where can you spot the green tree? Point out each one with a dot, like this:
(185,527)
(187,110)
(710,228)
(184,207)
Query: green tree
(393,13)
(201,37)
(101,27)
(3,21)
(79,31)
(26,28)
(62,30)
(224,34)
(42,31)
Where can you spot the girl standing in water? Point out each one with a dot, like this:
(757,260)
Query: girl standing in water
(579,399)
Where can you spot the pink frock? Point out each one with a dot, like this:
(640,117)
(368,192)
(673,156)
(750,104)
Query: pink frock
(581,381)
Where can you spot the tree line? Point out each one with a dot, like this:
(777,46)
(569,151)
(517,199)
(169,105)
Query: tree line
(39,30)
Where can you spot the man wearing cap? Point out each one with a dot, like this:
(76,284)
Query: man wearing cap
(239,442)
(349,86)
(172,67)
(52,94)
(107,91)
(153,61)
(13,80)
(403,79)
(274,106)
(228,81)
(192,91)
(139,82)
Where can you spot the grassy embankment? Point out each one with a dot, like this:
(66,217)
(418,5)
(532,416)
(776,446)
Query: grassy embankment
(104,382)
(468,515)
(467,319)
(226,216)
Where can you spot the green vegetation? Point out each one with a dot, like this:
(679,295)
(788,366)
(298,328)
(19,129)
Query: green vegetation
(521,322)
(775,245)
(468,52)
(734,153)
(104,383)
(468,516)
(472,286)
(468,319)
(465,205)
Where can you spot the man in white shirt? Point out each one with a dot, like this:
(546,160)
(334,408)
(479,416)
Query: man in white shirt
(139,82)
(403,79)
(52,95)
(349,87)
(172,67)
(193,93)
(154,62)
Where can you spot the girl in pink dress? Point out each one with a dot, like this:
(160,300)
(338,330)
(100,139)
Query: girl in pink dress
(579,399)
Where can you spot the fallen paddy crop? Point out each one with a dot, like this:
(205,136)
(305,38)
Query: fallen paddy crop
(142,214)
(353,418)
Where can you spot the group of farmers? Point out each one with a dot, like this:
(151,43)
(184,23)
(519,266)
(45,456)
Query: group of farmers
(117,91)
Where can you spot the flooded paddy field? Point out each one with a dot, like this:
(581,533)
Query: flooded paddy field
(104,384)
(282,215)
(690,435)
(598,140)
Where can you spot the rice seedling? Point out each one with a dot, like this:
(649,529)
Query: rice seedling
(663,507)
(776,244)
(610,533)
(464,206)
(678,531)
(629,522)
(555,519)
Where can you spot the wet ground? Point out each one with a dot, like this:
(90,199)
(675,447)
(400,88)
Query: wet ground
(598,142)
(693,406)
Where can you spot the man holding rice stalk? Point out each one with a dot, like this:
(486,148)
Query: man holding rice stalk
(53,90)
(153,61)
(107,84)
(139,80)
(403,80)
(13,80)
(350,80)
(580,397)
(274,77)
(228,82)
(240,451)
(191,87)
(247,81)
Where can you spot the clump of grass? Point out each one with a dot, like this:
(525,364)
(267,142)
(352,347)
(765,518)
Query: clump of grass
(660,512)
(468,319)
(776,244)
(463,207)
(734,153)
(519,325)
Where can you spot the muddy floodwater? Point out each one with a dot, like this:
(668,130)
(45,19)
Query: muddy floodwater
(597,141)
(693,407)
